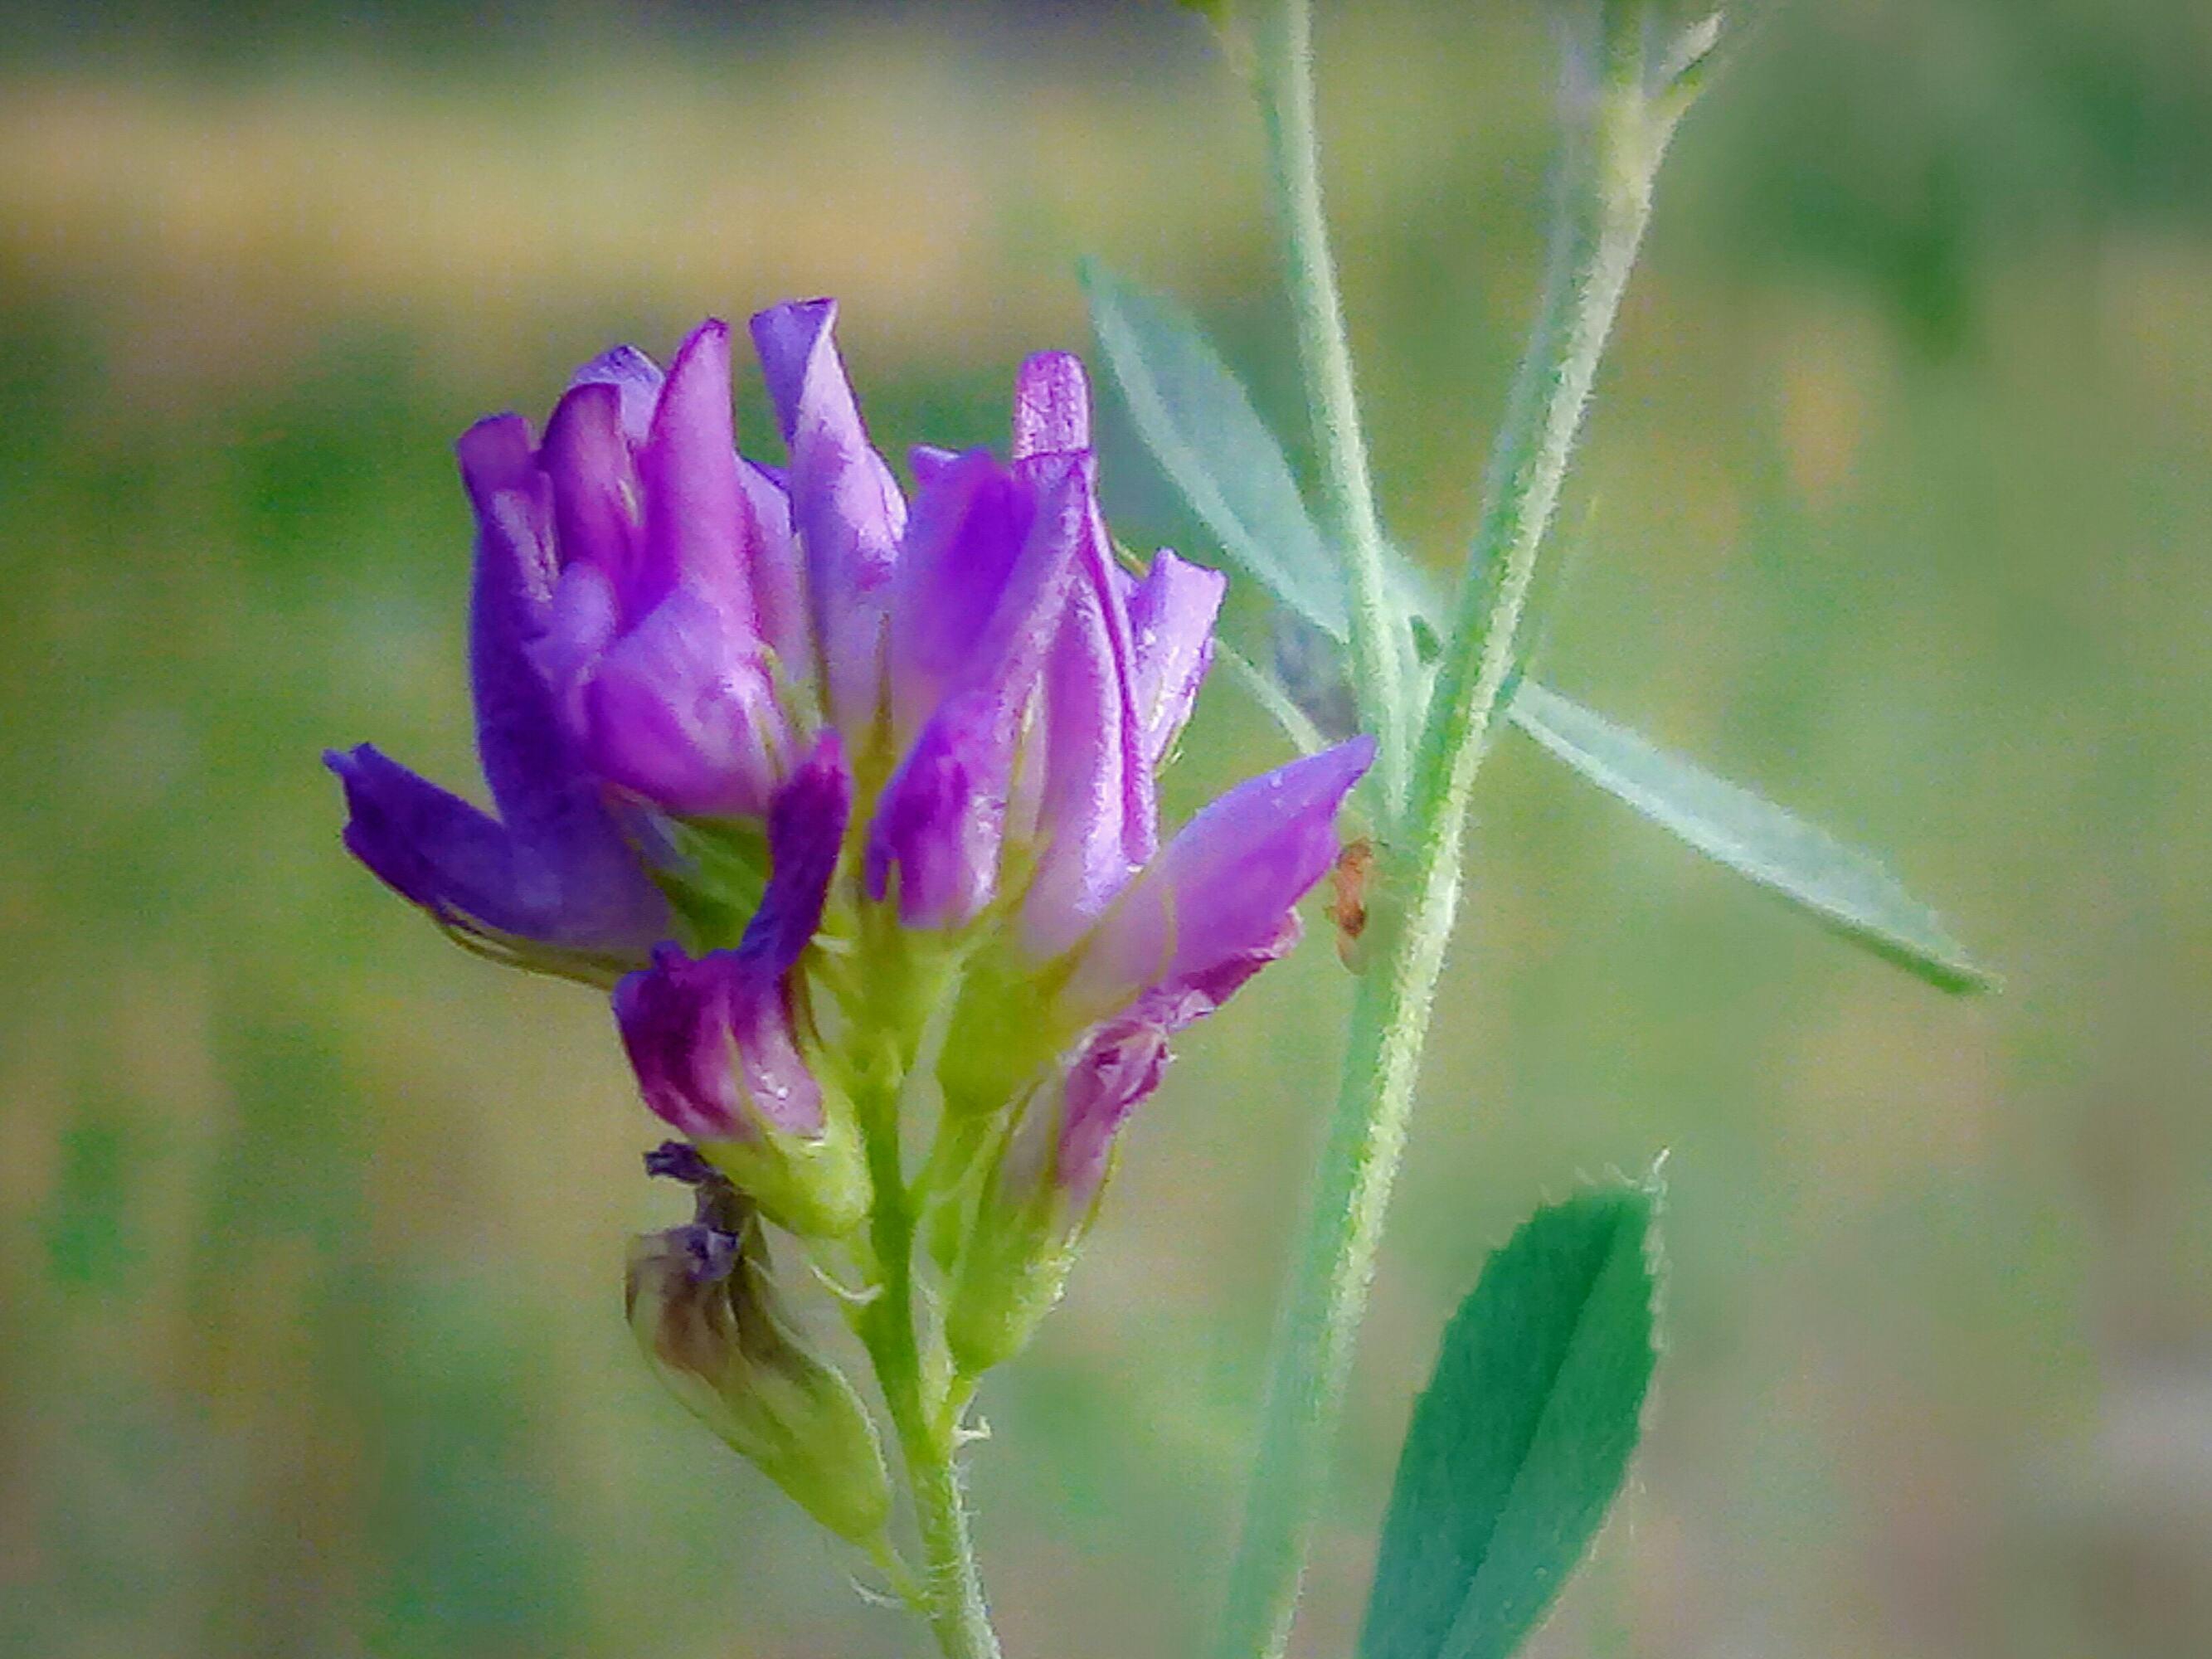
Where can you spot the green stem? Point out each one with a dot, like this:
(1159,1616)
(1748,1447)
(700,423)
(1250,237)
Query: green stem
(1604,201)
(951,1593)
(1283,80)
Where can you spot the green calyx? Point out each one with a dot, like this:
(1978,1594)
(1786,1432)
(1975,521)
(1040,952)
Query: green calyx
(1012,1269)
(1006,1030)
(1023,1229)
(812,1187)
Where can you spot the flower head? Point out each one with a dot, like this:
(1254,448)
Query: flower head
(847,787)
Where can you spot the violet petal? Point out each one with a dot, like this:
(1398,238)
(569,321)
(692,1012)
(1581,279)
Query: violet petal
(637,380)
(1097,820)
(778,584)
(968,525)
(1222,890)
(941,818)
(1119,1067)
(1051,405)
(698,530)
(1171,613)
(595,484)
(682,710)
(713,1048)
(806,834)
(680,1160)
(845,503)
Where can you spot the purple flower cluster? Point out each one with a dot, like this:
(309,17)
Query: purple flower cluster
(947,712)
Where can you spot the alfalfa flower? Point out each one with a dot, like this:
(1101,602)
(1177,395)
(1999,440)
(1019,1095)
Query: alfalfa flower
(892,765)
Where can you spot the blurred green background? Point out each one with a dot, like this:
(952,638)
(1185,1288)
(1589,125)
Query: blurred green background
(1896,505)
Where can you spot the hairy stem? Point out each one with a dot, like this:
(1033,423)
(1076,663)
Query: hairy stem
(1283,72)
(1603,202)
(950,1595)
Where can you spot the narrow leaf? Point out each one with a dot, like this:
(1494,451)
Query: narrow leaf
(1523,1436)
(1200,427)
(1844,889)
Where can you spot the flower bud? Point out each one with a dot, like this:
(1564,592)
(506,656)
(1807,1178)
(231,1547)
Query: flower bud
(716,1048)
(702,1300)
(1039,1200)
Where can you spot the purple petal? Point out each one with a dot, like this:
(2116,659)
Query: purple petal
(1214,903)
(637,382)
(550,804)
(681,711)
(520,746)
(713,1046)
(697,531)
(1051,405)
(778,584)
(847,505)
(595,484)
(1097,820)
(942,817)
(437,851)
(430,847)
(927,461)
(969,523)
(1171,613)
(777,1079)
(1119,1068)
(582,622)
(1010,655)
(710,1255)
(805,835)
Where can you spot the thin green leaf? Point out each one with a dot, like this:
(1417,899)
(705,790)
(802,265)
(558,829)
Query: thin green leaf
(1523,1437)
(1198,424)
(1844,889)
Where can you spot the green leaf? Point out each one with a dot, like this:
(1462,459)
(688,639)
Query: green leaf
(1842,888)
(1523,1437)
(1200,427)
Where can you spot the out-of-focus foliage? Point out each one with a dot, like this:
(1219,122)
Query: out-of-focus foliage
(311,1227)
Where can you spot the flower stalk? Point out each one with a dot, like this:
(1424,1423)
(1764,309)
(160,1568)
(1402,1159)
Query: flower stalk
(925,1420)
(1618,124)
(1284,82)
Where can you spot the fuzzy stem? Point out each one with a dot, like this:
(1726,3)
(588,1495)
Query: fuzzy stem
(951,1593)
(1283,78)
(1603,202)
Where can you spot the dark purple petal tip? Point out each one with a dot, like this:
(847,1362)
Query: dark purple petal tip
(713,1048)
(806,824)
(678,1160)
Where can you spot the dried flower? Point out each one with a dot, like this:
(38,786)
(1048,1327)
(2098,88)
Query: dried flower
(702,1301)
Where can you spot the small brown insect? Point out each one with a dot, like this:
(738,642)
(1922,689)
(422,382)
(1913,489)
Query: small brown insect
(1347,904)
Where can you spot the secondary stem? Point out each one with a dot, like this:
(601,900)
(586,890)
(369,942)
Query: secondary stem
(1603,205)
(950,1593)
(1283,79)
